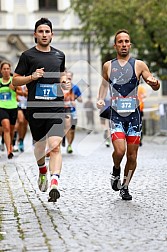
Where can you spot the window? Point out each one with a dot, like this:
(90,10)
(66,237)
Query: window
(20,2)
(48,4)
(21,19)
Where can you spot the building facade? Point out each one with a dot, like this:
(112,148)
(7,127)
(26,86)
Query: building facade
(17,20)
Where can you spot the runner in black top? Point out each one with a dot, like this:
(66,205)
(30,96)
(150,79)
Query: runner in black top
(123,74)
(127,119)
(41,68)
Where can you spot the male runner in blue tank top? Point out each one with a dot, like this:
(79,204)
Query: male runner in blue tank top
(123,74)
(41,68)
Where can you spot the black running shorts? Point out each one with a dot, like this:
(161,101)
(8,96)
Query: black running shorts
(10,114)
(46,123)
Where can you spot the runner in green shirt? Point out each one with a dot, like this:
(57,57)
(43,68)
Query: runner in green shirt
(8,106)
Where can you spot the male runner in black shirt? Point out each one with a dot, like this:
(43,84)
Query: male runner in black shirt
(41,68)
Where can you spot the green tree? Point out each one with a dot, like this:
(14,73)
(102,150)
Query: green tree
(145,20)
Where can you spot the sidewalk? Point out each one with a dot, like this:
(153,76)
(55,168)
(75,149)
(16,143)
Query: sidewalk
(89,216)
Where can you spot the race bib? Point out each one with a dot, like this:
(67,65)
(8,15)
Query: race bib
(5,96)
(126,105)
(46,91)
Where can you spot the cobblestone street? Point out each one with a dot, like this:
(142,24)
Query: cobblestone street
(89,216)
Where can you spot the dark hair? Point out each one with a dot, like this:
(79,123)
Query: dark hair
(120,31)
(42,21)
(3,63)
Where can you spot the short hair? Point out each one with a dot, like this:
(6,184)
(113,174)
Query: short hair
(120,31)
(42,21)
(3,63)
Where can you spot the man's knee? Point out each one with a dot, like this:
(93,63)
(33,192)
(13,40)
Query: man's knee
(55,149)
(119,153)
(132,157)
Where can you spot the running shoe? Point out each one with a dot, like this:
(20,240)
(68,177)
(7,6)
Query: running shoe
(15,148)
(21,146)
(69,149)
(43,182)
(54,193)
(10,155)
(124,193)
(107,142)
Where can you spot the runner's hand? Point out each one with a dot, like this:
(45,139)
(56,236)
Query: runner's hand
(38,73)
(154,83)
(100,103)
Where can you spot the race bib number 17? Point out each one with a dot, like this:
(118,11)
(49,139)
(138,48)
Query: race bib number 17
(46,91)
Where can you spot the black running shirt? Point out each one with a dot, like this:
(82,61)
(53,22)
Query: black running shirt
(53,63)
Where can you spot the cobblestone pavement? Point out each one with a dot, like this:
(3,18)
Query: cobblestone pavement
(89,216)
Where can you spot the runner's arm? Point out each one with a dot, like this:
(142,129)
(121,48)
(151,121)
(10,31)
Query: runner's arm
(104,86)
(19,80)
(148,77)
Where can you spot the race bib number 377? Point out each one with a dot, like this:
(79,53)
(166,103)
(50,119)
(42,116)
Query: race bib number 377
(46,91)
